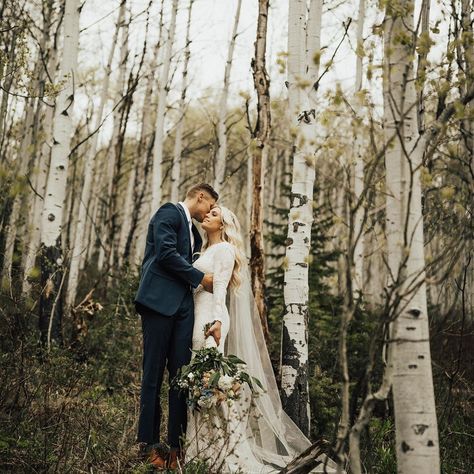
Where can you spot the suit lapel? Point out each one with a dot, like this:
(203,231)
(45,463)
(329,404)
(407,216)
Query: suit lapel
(197,239)
(186,226)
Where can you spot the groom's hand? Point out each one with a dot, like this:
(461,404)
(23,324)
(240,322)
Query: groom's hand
(215,331)
(207,282)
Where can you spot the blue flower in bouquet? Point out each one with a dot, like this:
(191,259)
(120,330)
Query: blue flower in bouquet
(207,393)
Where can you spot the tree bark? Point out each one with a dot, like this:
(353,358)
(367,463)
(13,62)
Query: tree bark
(221,156)
(302,75)
(142,192)
(417,444)
(128,206)
(112,156)
(6,86)
(422,63)
(178,145)
(248,202)
(52,255)
(259,157)
(79,245)
(163,88)
(22,161)
(45,130)
(358,168)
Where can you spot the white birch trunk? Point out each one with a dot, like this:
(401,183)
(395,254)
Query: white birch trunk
(178,144)
(422,63)
(467,39)
(79,244)
(127,213)
(163,88)
(147,127)
(20,164)
(106,243)
(358,276)
(34,229)
(22,160)
(40,177)
(221,154)
(417,444)
(302,73)
(248,207)
(93,224)
(7,83)
(55,193)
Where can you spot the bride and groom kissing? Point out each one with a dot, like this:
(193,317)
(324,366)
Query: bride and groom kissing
(185,284)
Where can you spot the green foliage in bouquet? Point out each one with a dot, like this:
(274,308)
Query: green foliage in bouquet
(212,378)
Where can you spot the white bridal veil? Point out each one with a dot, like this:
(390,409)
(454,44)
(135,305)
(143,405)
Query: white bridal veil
(272,436)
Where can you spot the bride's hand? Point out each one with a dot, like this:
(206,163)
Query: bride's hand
(207,282)
(215,331)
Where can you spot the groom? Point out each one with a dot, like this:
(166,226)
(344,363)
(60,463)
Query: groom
(165,303)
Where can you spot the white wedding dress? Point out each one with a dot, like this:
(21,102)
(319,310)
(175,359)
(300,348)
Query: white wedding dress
(216,436)
(253,435)
(218,259)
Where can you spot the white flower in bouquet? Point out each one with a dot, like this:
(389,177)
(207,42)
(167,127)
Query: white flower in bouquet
(225,382)
(207,401)
(191,376)
(204,402)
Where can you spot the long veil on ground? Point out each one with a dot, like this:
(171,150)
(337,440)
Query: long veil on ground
(273,437)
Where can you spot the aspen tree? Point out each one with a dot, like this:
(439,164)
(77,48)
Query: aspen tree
(112,156)
(52,255)
(163,87)
(8,77)
(128,206)
(417,444)
(45,131)
(79,245)
(248,202)
(221,155)
(178,145)
(358,168)
(22,161)
(259,157)
(136,239)
(302,73)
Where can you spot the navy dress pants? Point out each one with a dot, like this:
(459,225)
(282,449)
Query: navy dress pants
(167,342)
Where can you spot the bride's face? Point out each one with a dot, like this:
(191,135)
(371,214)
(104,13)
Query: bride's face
(213,221)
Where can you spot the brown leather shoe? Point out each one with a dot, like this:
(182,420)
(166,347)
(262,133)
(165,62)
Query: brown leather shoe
(157,460)
(175,457)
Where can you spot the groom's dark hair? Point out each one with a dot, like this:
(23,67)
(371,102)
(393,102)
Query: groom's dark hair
(197,188)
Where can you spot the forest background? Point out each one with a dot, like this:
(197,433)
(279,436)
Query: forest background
(110,108)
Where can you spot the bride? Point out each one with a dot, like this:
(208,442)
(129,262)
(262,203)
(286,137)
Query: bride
(253,434)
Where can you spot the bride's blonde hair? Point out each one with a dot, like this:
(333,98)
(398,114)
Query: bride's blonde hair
(231,232)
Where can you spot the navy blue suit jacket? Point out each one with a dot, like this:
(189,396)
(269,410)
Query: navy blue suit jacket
(167,274)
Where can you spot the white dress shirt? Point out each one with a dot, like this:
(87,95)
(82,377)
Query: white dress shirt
(190,224)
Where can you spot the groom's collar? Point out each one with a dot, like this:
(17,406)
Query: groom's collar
(186,210)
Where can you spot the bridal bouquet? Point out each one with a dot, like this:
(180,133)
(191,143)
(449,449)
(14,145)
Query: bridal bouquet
(211,378)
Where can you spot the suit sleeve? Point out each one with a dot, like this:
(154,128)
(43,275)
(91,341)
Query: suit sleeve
(165,236)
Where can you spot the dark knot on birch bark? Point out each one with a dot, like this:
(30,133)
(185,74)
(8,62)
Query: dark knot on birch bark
(303,199)
(414,312)
(306,115)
